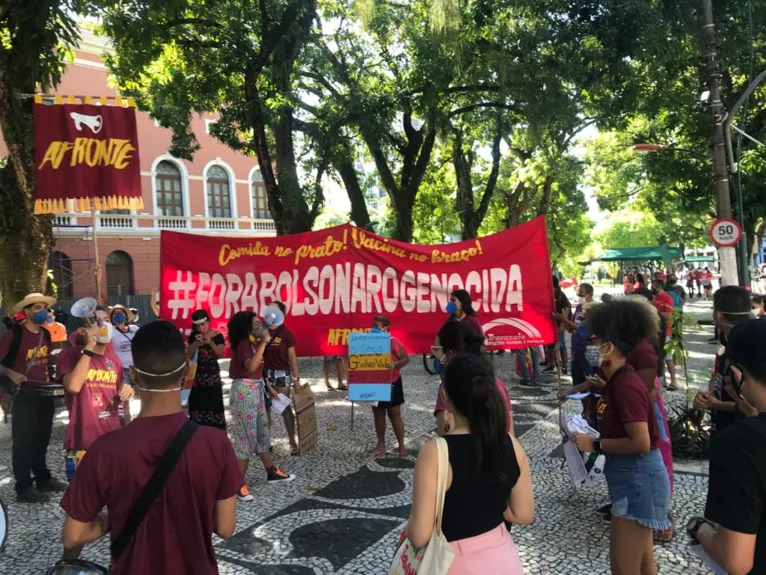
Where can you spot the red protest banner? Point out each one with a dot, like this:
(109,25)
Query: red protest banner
(335,281)
(88,154)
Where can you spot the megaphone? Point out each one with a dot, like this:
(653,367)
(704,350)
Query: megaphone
(273,316)
(85,307)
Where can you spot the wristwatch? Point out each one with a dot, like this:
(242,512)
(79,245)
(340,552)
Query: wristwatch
(597,445)
(88,352)
(693,526)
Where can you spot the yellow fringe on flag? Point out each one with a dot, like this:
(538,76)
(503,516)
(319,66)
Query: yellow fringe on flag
(83,205)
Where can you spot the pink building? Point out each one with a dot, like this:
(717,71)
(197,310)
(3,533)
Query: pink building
(220,192)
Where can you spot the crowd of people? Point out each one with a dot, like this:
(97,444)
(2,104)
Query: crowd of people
(619,357)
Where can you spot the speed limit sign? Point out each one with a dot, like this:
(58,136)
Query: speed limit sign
(725,233)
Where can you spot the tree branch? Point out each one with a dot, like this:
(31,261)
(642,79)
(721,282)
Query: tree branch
(493,174)
(482,105)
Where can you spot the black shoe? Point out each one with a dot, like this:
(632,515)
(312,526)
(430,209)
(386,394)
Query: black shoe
(607,518)
(549,369)
(51,485)
(564,371)
(712,341)
(525,382)
(605,510)
(32,495)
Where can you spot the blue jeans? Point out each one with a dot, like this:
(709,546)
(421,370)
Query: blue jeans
(639,488)
(522,355)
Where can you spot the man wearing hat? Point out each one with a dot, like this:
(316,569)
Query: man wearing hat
(280,362)
(733,531)
(24,366)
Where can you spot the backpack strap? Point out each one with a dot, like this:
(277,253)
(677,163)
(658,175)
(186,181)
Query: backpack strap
(152,489)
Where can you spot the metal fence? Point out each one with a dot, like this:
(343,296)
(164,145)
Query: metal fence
(141,302)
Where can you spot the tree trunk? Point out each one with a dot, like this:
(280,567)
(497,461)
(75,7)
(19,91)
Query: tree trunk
(344,165)
(26,240)
(464,202)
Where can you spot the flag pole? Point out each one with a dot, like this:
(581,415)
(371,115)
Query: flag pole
(95,250)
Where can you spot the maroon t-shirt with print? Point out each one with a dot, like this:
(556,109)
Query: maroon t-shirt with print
(94,410)
(276,355)
(625,399)
(176,534)
(38,371)
(239,356)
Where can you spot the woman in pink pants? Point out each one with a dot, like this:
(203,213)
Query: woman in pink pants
(489,484)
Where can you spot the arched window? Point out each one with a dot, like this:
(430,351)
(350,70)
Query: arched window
(218,194)
(119,274)
(61,266)
(259,198)
(169,189)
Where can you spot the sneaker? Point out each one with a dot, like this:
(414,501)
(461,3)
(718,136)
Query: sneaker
(244,493)
(32,495)
(51,485)
(549,369)
(605,510)
(276,475)
(607,518)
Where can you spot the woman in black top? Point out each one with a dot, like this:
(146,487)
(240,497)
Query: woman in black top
(206,398)
(489,480)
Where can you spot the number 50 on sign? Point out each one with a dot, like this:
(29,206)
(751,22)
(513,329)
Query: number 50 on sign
(725,233)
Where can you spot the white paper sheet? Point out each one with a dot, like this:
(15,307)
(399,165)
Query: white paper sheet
(281,403)
(578,395)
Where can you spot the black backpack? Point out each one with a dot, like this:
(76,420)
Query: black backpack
(10,358)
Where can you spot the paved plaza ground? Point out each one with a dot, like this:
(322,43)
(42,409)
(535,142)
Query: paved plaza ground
(344,511)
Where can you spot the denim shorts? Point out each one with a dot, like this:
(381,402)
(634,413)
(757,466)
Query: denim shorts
(639,488)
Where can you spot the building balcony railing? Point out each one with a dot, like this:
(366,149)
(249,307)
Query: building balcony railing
(142,223)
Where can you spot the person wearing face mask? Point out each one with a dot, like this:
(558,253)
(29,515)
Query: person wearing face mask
(198,497)
(758,306)
(393,408)
(454,338)
(563,309)
(638,482)
(24,354)
(733,531)
(93,381)
(580,334)
(123,333)
(731,307)
(280,364)
(248,339)
(460,308)
(206,397)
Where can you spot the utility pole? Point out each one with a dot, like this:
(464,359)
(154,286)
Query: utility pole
(727,256)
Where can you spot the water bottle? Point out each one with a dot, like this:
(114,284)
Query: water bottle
(71,467)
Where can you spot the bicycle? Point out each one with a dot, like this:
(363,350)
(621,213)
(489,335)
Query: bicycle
(429,363)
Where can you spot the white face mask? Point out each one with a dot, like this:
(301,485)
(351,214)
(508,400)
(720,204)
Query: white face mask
(582,299)
(105,333)
(176,370)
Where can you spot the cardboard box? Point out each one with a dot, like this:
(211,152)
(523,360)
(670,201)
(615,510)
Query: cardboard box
(307,422)
(307,443)
(306,416)
(302,398)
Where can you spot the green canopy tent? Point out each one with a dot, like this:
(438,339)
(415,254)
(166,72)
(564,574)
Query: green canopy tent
(653,253)
(699,259)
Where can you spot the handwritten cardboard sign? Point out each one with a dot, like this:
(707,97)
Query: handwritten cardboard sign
(369,367)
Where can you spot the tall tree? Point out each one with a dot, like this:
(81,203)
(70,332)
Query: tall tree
(237,58)
(37,35)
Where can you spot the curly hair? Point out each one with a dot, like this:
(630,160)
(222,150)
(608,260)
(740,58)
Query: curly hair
(629,320)
(240,327)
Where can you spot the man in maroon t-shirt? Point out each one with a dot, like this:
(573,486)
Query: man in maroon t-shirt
(32,412)
(665,307)
(199,497)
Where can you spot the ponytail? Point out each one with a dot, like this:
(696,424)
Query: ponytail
(471,388)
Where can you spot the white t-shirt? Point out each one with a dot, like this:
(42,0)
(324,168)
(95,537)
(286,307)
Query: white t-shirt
(123,343)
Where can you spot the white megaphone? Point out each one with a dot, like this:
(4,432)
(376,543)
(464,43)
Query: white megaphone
(273,316)
(85,307)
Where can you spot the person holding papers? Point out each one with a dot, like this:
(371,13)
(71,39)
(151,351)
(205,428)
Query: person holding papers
(733,532)
(399,358)
(635,472)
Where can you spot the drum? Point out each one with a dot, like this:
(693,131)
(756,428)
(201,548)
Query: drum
(3,525)
(76,567)
(50,390)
